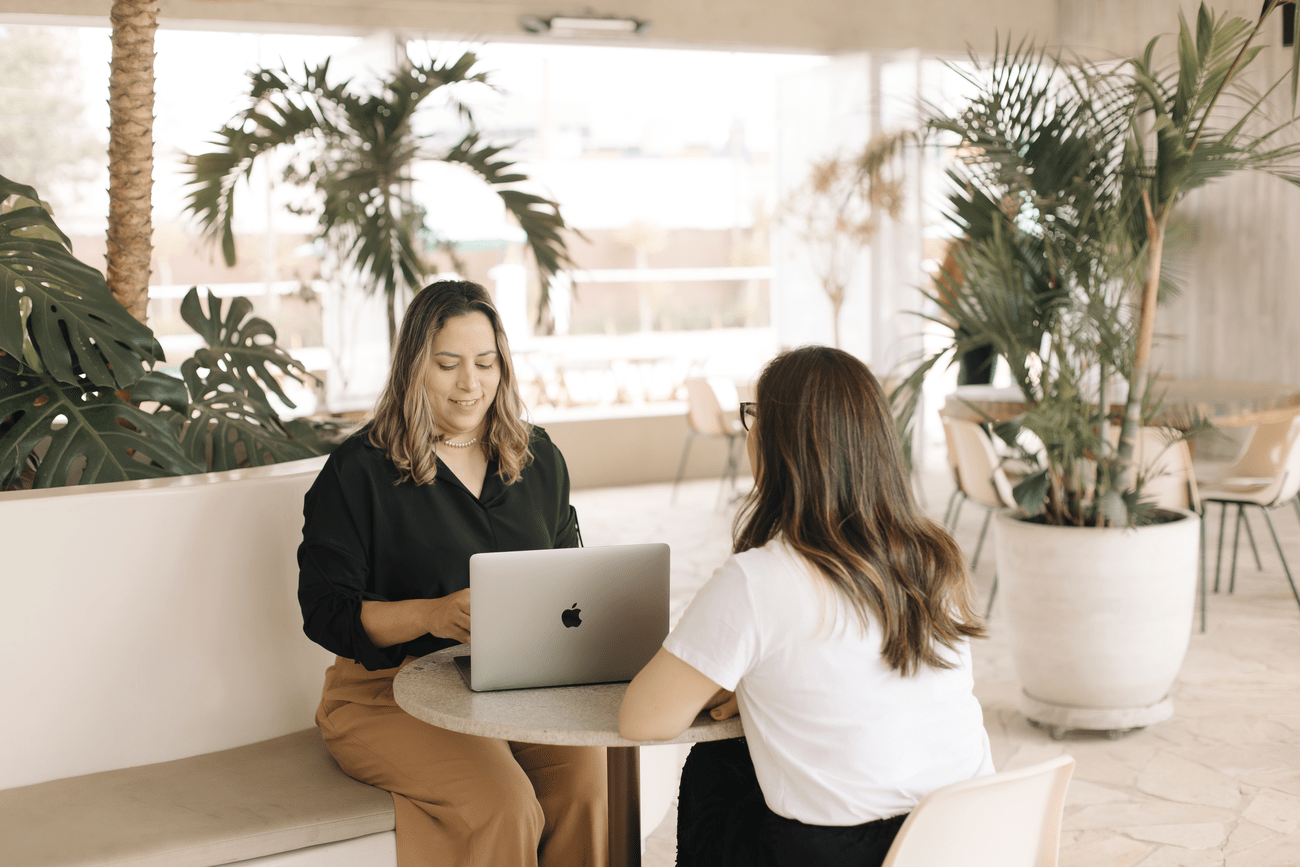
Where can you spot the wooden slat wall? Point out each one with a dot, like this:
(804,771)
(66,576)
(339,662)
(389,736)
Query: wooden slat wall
(1236,258)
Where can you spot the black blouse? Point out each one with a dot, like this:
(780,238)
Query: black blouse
(366,538)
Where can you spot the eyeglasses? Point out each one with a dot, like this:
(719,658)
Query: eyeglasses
(748,411)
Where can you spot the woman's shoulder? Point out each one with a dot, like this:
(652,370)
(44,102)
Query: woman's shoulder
(773,558)
(537,435)
(356,456)
(775,572)
(542,447)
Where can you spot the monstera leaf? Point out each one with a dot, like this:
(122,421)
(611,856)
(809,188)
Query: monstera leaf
(113,439)
(59,308)
(227,429)
(244,347)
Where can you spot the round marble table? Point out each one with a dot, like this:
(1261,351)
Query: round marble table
(431,689)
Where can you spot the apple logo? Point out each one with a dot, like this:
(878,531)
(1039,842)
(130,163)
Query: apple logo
(570,616)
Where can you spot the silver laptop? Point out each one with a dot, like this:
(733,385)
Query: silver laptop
(565,616)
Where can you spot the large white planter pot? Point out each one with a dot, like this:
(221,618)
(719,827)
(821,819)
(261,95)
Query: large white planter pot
(1099,619)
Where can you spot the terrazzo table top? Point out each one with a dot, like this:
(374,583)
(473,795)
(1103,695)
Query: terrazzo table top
(431,689)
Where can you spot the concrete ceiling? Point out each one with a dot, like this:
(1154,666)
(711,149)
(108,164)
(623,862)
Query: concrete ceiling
(821,26)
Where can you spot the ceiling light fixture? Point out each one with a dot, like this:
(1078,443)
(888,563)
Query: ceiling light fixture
(583,25)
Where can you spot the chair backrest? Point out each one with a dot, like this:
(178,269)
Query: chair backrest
(979,470)
(1011,819)
(1274,452)
(1166,464)
(705,412)
(952,448)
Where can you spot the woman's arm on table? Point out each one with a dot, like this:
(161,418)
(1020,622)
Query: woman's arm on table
(389,623)
(665,697)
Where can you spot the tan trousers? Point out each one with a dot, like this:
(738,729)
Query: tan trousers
(461,800)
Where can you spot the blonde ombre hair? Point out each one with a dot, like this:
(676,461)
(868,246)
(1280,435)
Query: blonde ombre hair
(405,422)
(829,481)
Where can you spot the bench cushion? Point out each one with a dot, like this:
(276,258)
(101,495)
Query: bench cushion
(255,800)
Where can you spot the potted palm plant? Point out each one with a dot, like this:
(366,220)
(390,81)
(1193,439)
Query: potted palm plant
(1067,176)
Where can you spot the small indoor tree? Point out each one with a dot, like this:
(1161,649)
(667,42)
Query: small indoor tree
(1068,175)
(837,210)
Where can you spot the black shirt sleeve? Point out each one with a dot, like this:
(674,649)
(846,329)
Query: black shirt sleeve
(365,537)
(334,562)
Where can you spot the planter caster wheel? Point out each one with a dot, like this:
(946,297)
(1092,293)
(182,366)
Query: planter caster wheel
(1058,732)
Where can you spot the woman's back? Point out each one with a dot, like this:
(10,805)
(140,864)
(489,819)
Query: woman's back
(837,736)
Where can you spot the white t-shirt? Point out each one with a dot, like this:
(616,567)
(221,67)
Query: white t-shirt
(837,737)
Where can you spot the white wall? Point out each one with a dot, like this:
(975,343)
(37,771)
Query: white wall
(150,621)
(1232,252)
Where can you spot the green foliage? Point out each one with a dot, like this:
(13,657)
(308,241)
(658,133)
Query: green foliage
(1067,176)
(100,437)
(69,352)
(241,347)
(227,426)
(355,151)
(58,308)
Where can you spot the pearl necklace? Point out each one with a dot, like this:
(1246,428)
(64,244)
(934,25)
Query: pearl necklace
(463,445)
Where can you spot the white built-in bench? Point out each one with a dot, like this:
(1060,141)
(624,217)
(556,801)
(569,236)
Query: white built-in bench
(159,691)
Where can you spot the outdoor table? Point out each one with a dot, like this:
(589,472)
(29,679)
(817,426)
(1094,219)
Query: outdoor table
(431,689)
(1226,403)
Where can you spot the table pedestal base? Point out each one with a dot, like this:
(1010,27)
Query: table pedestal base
(624,770)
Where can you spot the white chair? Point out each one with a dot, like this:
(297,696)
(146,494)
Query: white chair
(954,501)
(1267,476)
(1011,819)
(706,417)
(980,477)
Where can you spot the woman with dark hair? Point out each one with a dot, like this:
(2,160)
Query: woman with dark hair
(841,623)
(447,468)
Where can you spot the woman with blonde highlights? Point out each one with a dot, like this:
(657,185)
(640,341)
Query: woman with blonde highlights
(446,469)
(838,630)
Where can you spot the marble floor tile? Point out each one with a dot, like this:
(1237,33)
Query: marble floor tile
(1173,856)
(1274,810)
(1194,835)
(1176,779)
(1218,785)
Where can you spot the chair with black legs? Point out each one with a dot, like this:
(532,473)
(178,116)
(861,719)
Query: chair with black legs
(706,417)
(1267,477)
(980,477)
(953,509)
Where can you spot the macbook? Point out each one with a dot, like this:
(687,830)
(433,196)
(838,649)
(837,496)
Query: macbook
(565,616)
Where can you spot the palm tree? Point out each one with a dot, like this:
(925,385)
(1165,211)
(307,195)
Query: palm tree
(1063,192)
(130,153)
(1176,145)
(356,150)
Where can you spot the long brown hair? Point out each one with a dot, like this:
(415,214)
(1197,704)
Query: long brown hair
(405,420)
(830,482)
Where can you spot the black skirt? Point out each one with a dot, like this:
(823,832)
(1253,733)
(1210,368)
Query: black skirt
(723,821)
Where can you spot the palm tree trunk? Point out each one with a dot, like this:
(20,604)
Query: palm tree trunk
(1146,332)
(391,298)
(130,153)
